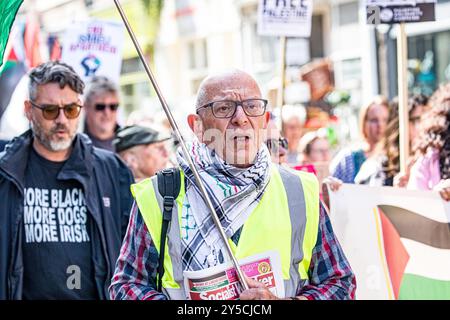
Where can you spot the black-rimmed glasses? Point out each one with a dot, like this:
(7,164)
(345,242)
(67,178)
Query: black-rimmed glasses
(51,111)
(227,108)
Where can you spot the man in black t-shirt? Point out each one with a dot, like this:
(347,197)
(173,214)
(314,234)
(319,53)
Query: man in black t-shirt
(68,202)
(56,224)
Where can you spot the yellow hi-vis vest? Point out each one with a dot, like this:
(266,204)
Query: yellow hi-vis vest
(286,220)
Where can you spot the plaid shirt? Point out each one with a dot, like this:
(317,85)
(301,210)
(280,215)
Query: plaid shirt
(330,275)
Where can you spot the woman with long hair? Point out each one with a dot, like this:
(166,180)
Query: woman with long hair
(431,171)
(373,119)
(384,165)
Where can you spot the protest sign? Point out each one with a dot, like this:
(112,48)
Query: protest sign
(94,48)
(288,18)
(397,241)
(398,11)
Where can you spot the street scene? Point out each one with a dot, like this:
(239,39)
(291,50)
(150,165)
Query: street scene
(224,150)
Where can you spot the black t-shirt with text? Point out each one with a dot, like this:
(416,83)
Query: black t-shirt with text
(56,244)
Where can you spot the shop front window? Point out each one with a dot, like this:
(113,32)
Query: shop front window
(428,62)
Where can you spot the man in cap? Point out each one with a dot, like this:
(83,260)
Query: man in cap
(143,149)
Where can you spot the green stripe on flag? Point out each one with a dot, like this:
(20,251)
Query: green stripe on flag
(8,64)
(8,11)
(414,287)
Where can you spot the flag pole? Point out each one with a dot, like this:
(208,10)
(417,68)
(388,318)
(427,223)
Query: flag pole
(402,60)
(184,149)
(280,97)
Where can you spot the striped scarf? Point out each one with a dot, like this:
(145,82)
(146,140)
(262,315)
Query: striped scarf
(234,192)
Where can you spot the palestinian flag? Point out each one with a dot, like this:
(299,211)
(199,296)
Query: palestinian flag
(8,11)
(417,251)
(14,67)
(22,53)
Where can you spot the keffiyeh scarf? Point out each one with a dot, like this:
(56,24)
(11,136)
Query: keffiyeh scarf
(234,192)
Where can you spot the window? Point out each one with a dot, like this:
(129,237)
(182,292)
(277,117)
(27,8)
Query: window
(132,65)
(143,89)
(264,48)
(197,62)
(198,54)
(127,97)
(316,40)
(88,3)
(348,13)
(428,61)
(351,70)
(128,90)
(192,58)
(195,84)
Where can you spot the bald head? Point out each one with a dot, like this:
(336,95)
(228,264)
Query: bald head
(217,85)
(235,136)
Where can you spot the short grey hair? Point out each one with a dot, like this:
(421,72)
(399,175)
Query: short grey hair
(54,72)
(99,85)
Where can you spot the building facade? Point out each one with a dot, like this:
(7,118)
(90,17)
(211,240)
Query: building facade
(197,37)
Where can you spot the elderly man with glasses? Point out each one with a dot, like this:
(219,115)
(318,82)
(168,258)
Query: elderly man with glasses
(101,104)
(65,203)
(263,208)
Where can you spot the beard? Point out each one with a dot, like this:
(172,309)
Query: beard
(49,140)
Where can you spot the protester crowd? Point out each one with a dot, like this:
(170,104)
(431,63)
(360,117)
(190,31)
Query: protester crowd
(82,219)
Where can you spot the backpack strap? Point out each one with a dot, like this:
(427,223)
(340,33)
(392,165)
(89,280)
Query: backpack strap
(169,182)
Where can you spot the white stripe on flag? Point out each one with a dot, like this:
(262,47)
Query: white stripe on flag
(427,261)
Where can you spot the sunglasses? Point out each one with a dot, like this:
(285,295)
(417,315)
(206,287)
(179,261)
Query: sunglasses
(275,144)
(103,106)
(51,111)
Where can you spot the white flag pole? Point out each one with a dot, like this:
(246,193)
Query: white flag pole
(402,69)
(280,97)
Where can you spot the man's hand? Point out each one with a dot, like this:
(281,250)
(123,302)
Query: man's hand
(334,183)
(444,189)
(257,291)
(401,180)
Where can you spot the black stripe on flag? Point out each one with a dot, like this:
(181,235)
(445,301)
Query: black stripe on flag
(415,227)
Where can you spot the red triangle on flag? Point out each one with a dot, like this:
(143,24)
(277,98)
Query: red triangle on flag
(396,255)
(12,55)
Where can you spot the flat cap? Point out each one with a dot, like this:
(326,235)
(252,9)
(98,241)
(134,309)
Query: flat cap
(130,136)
